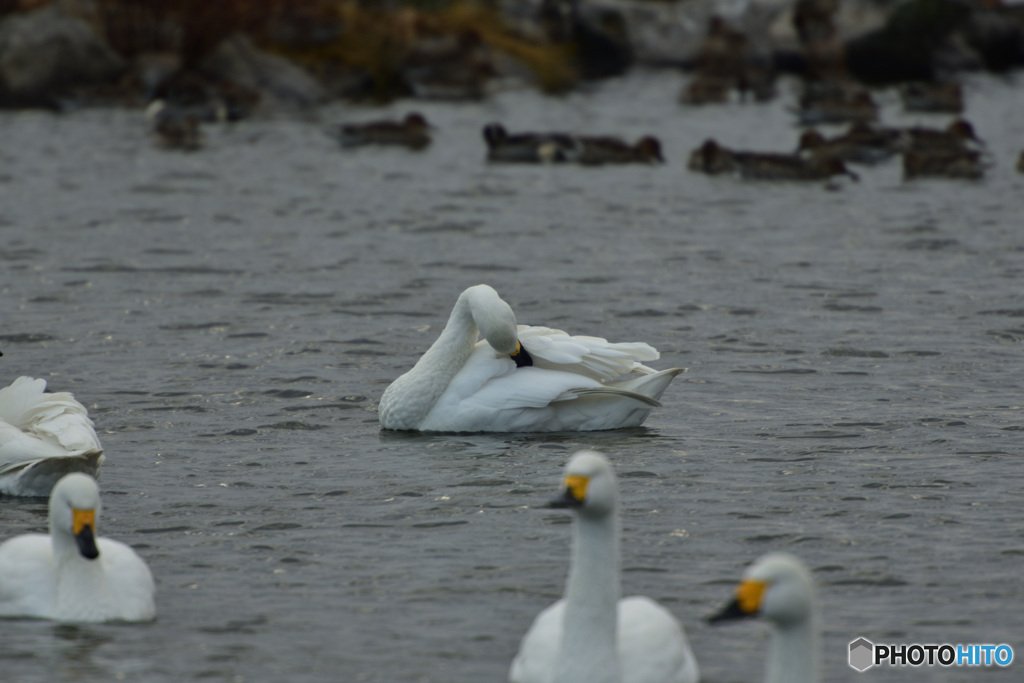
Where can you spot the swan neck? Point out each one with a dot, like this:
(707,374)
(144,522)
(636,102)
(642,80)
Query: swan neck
(588,651)
(458,336)
(446,356)
(429,378)
(793,654)
(65,549)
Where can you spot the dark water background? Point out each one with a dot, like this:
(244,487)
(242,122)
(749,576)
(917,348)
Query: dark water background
(231,317)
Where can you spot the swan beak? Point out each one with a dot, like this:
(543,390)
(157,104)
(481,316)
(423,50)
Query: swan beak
(82,524)
(574,494)
(521,357)
(747,602)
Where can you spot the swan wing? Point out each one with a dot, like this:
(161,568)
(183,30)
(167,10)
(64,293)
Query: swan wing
(652,645)
(591,356)
(43,437)
(129,579)
(54,419)
(535,662)
(18,398)
(490,393)
(612,391)
(27,579)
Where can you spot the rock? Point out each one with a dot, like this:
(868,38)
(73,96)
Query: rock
(917,36)
(998,37)
(45,52)
(597,33)
(277,81)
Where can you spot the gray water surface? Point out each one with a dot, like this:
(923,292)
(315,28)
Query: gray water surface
(231,317)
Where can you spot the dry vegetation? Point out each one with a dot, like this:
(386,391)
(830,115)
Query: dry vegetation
(323,35)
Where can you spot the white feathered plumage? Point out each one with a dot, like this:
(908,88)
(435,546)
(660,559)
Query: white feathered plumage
(560,383)
(43,437)
(590,635)
(71,574)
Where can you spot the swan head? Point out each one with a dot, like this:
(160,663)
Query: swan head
(494,318)
(75,512)
(778,587)
(588,486)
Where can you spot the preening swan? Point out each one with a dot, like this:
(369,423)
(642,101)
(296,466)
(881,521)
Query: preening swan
(72,574)
(779,588)
(42,438)
(521,378)
(591,636)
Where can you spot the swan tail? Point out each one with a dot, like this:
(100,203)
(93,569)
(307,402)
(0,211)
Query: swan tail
(609,391)
(652,384)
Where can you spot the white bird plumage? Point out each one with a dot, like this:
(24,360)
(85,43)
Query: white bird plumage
(591,636)
(560,383)
(70,574)
(779,588)
(43,436)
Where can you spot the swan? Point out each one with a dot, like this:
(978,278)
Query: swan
(521,378)
(43,437)
(779,588)
(591,636)
(71,574)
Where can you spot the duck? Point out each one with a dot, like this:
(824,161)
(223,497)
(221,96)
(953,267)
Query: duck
(706,89)
(712,158)
(837,107)
(175,127)
(775,166)
(778,588)
(591,635)
(71,574)
(964,164)
(529,147)
(599,150)
(861,144)
(43,436)
(521,378)
(933,97)
(412,132)
(957,136)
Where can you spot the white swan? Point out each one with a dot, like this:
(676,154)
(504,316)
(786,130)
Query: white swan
(521,379)
(779,588)
(591,636)
(70,574)
(42,438)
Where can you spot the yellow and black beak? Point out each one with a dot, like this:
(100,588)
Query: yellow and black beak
(574,494)
(521,357)
(83,525)
(747,602)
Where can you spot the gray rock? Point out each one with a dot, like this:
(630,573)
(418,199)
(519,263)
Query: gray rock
(664,33)
(47,51)
(236,60)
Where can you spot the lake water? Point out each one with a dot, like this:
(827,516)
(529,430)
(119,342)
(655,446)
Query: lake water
(231,317)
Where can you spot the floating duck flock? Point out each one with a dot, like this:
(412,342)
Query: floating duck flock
(954,151)
(724,65)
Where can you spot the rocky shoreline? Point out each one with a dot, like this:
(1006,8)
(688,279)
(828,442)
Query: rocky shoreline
(71,53)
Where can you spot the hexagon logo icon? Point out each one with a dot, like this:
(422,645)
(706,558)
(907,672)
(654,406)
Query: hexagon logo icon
(862,654)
